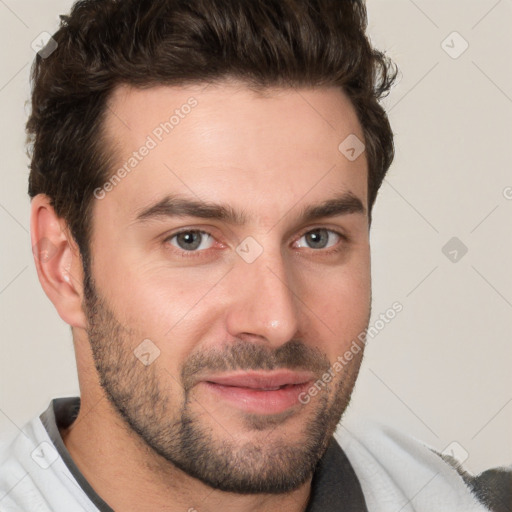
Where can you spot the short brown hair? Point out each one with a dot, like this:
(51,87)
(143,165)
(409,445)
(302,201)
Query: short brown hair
(264,43)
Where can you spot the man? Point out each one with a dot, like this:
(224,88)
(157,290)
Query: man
(202,181)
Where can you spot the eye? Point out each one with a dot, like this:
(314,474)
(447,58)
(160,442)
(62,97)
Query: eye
(320,238)
(191,240)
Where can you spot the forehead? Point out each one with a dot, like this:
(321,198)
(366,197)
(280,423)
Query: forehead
(228,143)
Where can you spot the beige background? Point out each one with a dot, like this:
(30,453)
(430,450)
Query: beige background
(441,369)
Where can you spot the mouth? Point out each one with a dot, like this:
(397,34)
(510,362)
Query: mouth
(270,392)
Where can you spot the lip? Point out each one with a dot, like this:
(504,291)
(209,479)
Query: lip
(270,392)
(261,380)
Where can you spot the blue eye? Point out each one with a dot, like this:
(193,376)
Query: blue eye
(320,238)
(191,240)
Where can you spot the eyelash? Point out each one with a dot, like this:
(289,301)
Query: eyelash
(199,254)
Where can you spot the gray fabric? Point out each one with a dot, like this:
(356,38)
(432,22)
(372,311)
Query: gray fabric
(335,485)
(493,487)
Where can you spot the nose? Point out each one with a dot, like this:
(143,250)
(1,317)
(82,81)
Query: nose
(263,304)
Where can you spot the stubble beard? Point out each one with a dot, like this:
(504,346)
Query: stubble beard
(179,434)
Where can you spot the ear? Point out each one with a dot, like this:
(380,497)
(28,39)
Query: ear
(58,261)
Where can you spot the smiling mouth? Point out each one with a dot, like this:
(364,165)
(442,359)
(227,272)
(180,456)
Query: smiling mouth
(259,392)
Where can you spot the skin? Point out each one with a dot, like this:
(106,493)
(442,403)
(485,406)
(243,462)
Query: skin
(208,308)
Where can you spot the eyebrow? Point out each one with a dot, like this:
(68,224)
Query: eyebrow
(180,206)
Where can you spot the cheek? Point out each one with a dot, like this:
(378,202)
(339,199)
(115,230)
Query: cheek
(153,295)
(345,311)
(339,302)
(165,306)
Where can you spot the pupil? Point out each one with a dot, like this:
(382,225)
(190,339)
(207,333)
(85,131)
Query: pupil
(191,240)
(318,238)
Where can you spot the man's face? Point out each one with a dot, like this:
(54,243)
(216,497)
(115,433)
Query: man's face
(250,305)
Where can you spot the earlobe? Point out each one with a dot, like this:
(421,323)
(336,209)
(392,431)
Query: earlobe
(57,260)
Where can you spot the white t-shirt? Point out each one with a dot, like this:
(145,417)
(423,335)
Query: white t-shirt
(372,468)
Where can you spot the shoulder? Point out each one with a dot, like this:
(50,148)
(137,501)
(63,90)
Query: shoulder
(22,459)
(34,477)
(395,468)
